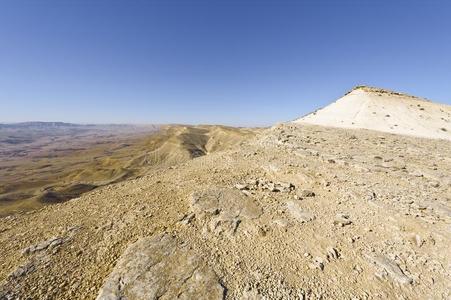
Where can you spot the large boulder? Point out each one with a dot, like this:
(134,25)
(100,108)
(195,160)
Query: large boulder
(161,267)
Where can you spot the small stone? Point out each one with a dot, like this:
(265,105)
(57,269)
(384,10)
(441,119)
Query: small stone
(241,186)
(342,220)
(187,219)
(282,187)
(246,193)
(358,269)
(56,242)
(332,253)
(434,184)
(271,187)
(252,182)
(73,228)
(281,222)
(417,173)
(306,193)
(419,241)
(262,231)
(371,197)
(354,238)
(318,263)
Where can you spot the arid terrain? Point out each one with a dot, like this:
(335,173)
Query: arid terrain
(295,211)
(42,163)
(387,111)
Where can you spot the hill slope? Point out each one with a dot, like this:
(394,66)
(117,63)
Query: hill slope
(55,163)
(387,111)
(299,212)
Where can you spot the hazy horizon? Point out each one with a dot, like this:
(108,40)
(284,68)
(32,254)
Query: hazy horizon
(199,62)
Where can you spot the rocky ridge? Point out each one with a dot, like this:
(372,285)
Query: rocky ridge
(299,212)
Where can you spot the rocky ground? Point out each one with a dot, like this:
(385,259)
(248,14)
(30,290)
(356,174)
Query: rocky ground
(299,212)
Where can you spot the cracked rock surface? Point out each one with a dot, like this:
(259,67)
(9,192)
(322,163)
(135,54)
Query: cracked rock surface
(161,268)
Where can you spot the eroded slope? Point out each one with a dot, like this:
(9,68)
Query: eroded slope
(56,165)
(386,111)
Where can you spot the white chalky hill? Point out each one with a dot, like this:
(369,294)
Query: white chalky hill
(387,111)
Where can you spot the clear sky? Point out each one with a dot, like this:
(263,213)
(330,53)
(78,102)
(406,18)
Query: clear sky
(228,62)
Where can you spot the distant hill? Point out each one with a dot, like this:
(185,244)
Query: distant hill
(387,111)
(63,125)
(37,124)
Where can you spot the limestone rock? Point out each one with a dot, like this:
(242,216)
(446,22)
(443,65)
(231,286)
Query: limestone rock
(318,263)
(332,253)
(391,267)
(298,213)
(48,244)
(223,210)
(342,220)
(305,194)
(160,268)
(241,186)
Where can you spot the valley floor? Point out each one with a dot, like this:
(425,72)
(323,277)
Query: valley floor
(298,212)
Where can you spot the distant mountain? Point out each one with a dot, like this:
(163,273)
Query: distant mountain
(51,126)
(387,111)
(37,124)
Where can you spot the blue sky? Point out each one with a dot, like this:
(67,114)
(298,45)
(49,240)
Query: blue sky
(227,62)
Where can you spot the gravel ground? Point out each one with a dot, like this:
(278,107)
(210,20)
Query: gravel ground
(299,212)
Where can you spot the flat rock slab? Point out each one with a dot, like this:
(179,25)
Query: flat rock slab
(49,244)
(342,220)
(223,210)
(298,213)
(391,267)
(161,268)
